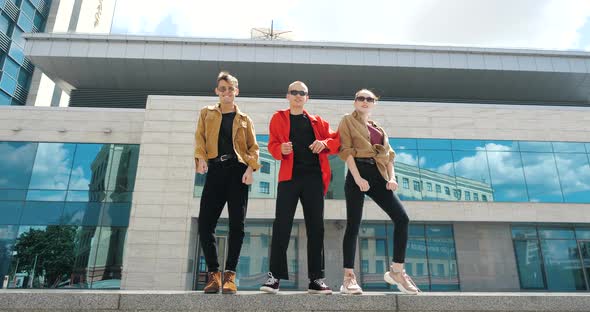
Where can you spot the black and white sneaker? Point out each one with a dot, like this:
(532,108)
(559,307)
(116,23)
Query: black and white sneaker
(271,286)
(319,287)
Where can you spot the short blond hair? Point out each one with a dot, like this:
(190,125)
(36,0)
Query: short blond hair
(366,90)
(225,76)
(298,82)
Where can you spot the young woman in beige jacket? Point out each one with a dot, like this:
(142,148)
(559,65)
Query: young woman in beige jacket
(365,149)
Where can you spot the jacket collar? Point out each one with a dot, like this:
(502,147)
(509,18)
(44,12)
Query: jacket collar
(217,107)
(287,111)
(358,117)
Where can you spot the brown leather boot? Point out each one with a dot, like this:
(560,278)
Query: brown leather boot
(229,283)
(213,283)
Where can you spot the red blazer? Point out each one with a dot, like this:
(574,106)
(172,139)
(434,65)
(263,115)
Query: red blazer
(279,129)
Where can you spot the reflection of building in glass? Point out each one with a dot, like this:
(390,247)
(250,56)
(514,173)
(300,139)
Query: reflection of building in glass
(416,183)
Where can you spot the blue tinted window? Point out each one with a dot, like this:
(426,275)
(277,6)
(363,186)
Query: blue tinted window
(535,146)
(13,194)
(434,144)
(583,233)
(502,146)
(468,145)
(42,213)
(541,177)
(574,176)
(417,262)
(437,167)
(406,168)
(416,230)
(10,212)
(87,214)
(16,164)
(28,9)
(52,166)
(116,214)
(17,37)
(5,99)
(23,78)
(46,195)
(442,262)
(562,265)
(568,147)
(528,260)
(11,67)
(25,23)
(86,162)
(439,231)
(4,24)
(556,233)
(473,173)
(8,84)
(522,232)
(16,53)
(507,177)
(402,144)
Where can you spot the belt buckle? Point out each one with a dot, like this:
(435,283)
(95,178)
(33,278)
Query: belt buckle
(224,157)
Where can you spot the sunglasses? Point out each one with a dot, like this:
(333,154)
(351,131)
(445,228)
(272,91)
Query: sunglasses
(295,92)
(223,89)
(363,98)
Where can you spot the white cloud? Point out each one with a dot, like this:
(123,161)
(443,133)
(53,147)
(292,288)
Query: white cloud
(550,24)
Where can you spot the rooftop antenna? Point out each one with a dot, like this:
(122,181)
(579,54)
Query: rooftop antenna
(270,33)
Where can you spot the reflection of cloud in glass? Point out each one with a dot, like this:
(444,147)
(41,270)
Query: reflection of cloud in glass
(78,181)
(574,172)
(15,164)
(409,159)
(52,166)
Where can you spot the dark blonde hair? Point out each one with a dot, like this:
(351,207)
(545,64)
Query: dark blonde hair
(225,76)
(366,90)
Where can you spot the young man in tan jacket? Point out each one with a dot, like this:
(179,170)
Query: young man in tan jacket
(226,149)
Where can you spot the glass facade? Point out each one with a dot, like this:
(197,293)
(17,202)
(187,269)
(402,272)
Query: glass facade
(464,170)
(65,211)
(552,257)
(431,259)
(254,258)
(17,18)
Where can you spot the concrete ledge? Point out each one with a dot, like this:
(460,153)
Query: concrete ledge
(17,300)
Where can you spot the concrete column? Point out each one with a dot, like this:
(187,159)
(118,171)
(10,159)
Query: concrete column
(485,257)
(159,252)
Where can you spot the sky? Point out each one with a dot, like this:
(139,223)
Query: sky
(539,24)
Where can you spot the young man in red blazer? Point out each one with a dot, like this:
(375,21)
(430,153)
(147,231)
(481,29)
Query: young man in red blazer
(301,142)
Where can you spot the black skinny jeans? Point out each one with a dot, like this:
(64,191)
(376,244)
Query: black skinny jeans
(386,199)
(223,184)
(309,188)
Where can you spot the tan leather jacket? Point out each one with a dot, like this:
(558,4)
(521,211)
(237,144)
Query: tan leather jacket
(243,136)
(355,140)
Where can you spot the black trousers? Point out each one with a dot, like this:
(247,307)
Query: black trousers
(223,184)
(386,199)
(309,188)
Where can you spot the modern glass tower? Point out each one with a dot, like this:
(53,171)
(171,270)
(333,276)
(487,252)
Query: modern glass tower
(18,17)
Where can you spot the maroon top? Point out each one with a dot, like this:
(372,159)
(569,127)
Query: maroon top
(376,135)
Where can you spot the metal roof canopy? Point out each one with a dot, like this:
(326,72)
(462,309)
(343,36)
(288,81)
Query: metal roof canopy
(331,70)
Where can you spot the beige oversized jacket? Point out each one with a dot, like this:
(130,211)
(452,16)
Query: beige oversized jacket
(355,140)
(243,136)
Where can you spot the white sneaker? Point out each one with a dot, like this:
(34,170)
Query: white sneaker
(402,280)
(350,286)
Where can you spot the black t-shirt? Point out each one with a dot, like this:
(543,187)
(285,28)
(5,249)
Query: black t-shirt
(301,136)
(225,143)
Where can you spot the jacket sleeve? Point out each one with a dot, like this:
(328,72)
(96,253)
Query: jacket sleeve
(274,142)
(252,145)
(200,152)
(346,147)
(330,138)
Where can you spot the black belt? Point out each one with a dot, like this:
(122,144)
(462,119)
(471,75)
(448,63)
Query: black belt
(365,160)
(222,158)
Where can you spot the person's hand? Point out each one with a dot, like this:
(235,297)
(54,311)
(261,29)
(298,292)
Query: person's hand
(202,167)
(317,146)
(287,148)
(247,177)
(362,184)
(391,185)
